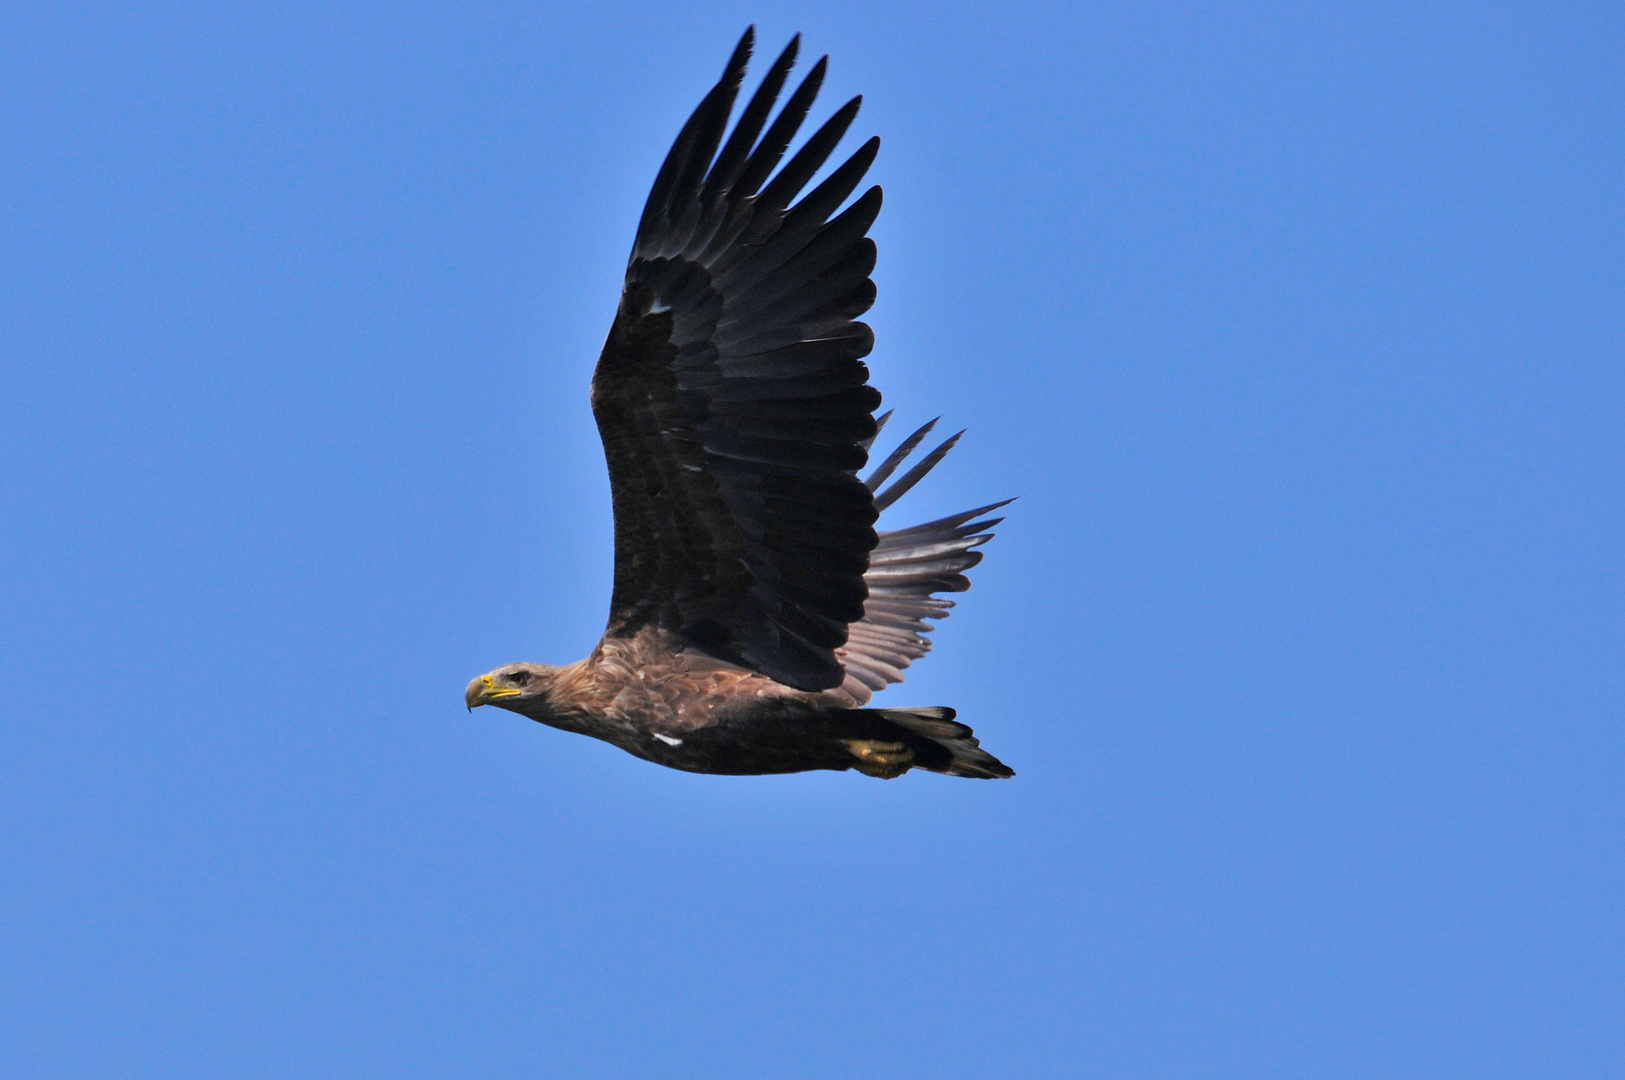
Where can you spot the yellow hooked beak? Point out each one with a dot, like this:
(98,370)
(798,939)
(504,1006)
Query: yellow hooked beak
(483,691)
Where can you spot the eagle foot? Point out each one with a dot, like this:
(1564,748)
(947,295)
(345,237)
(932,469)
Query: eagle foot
(887,760)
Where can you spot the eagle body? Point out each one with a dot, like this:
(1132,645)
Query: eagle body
(687,710)
(756,609)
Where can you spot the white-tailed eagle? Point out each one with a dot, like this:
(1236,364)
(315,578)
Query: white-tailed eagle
(756,610)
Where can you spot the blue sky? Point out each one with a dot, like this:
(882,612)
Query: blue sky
(1298,330)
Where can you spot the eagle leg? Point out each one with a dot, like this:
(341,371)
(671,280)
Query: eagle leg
(887,760)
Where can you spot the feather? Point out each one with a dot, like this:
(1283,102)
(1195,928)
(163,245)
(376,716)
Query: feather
(916,474)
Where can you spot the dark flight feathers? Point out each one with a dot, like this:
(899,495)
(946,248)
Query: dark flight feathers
(733,403)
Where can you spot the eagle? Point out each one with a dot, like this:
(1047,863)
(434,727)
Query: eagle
(755,609)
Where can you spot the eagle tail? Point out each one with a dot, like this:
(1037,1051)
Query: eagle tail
(938,743)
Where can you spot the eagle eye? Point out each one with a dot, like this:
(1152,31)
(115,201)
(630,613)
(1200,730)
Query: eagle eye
(519,678)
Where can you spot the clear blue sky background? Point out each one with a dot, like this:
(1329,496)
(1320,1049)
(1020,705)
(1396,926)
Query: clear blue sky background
(1298,329)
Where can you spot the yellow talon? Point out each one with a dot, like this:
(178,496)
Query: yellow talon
(885,760)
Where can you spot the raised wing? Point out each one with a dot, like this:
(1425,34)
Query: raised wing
(906,570)
(731,395)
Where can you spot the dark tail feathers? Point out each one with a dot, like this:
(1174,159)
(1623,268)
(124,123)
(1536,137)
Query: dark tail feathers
(939,743)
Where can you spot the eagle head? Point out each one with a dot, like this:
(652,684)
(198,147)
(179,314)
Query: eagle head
(512,686)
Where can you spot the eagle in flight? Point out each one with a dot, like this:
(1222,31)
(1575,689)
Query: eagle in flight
(755,608)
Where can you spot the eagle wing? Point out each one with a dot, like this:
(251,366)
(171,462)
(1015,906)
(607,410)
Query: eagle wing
(907,568)
(731,395)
